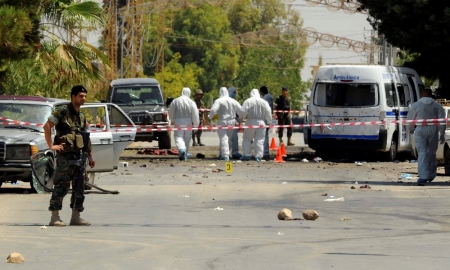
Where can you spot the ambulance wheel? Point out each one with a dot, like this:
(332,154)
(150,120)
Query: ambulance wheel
(391,155)
(447,162)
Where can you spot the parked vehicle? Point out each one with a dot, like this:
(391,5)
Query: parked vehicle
(361,93)
(22,135)
(142,100)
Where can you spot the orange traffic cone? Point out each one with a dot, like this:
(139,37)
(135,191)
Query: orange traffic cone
(279,158)
(283,150)
(273,145)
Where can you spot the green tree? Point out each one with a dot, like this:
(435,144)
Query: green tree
(61,58)
(175,77)
(420,27)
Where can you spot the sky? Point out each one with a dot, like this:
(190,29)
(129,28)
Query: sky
(337,23)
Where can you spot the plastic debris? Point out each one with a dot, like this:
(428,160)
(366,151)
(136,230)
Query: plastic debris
(412,161)
(341,199)
(284,183)
(317,159)
(305,160)
(239,161)
(184,196)
(280,233)
(406,176)
(212,165)
(43,227)
(218,208)
(358,163)
(345,218)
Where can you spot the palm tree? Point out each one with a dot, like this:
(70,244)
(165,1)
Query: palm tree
(63,57)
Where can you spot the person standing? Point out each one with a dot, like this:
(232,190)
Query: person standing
(183,111)
(234,137)
(427,137)
(226,108)
(69,122)
(283,103)
(201,114)
(258,113)
(269,99)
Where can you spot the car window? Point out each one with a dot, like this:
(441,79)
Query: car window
(32,113)
(116,117)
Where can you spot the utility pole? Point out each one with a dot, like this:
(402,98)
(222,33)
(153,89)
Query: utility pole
(383,51)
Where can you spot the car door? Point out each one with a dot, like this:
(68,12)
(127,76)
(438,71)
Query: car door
(122,128)
(101,137)
(405,101)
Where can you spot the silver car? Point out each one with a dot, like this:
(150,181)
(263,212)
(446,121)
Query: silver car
(22,135)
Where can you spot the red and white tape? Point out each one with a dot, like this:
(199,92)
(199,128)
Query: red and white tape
(279,111)
(147,128)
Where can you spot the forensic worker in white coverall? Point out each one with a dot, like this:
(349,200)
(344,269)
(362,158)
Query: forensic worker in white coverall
(258,113)
(427,137)
(226,108)
(183,112)
(234,137)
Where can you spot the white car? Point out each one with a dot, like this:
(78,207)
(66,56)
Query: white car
(22,135)
(442,153)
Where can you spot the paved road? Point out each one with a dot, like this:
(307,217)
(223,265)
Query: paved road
(162,219)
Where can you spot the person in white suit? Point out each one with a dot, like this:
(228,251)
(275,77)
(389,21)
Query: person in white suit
(183,111)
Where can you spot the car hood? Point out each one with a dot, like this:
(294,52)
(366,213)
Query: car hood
(17,136)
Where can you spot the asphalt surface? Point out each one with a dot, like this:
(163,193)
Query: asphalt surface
(172,214)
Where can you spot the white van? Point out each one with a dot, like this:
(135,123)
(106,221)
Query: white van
(361,93)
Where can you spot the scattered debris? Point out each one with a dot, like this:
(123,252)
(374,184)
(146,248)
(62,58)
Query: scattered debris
(365,186)
(406,176)
(217,170)
(352,187)
(285,214)
(193,166)
(212,165)
(43,227)
(15,258)
(284,183)
(158,152)
(358,163)
(356,182)
(374,169)
(333,163)
(185,175)
(341,199)
(305,160)
(325,194)
(345,218)
(143,165)
(317,159)
(412,161)
(198,183)
(200,155)
(205,176)
(280,233)
(310,215)
(218,208)
(123,164)
(171,165)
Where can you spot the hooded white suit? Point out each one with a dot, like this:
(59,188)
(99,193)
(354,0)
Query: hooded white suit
(226,108)
(183,111)
(258,113)
(426,137)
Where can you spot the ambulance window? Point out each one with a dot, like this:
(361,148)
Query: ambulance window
(414,91)
(391,98)
(403,95)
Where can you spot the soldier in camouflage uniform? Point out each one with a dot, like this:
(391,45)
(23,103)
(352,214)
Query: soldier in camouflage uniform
(200,105)
(68,121)
(283,102)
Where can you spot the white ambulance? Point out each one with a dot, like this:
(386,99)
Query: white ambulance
(361,93)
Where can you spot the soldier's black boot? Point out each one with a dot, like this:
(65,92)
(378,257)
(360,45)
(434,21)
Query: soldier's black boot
(193,141)
(199,142)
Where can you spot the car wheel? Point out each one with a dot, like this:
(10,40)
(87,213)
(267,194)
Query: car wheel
(391,155)
(164,141)
(48,177)
(447,162)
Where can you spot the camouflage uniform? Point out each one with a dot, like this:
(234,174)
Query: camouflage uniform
(68,121)
(200,105)
(284,118)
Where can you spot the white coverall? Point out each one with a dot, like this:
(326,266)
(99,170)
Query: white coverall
(258,113)
(226,108)
(427,137)
(183,111)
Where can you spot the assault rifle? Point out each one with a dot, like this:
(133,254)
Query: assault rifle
(81,163)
